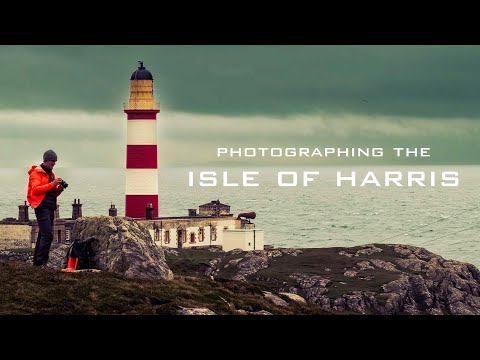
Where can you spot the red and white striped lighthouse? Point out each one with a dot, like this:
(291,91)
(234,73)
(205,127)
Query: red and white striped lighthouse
(142,164)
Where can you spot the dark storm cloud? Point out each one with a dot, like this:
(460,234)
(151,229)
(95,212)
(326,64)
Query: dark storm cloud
(417,81)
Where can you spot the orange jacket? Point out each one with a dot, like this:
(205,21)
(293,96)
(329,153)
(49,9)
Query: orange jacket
(38,185)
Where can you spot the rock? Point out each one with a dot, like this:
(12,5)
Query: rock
(306,281)
(293,297)
(274,253)
(261,312)
(385,265)
(314,287)
(416,280)
(194,311)
(124,246)
(421,295)
(354,301)
(402,250)
(455,295)
(368,250)
(339,304)
(58,257)
(11,255)
(233,262)
(251,266)
(291,252)
(410,264)
(212,268)
(363,265)
(460,308)
(323,302)
(275,299)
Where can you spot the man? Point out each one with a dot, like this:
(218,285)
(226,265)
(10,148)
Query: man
(43,189)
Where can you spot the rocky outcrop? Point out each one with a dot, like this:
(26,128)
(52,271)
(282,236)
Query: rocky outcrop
(251,264)
(369,279)
(123,246)
(57,257)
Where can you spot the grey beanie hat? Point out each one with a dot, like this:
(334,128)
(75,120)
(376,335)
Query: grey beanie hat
(49,155)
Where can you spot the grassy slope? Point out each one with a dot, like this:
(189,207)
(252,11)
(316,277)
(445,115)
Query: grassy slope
(28,290)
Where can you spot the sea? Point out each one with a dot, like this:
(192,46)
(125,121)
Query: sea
(443,219)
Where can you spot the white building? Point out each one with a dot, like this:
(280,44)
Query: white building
(215,226)
(245,239)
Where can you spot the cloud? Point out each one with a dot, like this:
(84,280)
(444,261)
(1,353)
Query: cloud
(98,139)
(321,124)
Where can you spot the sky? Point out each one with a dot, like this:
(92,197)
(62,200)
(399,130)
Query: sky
(70,99)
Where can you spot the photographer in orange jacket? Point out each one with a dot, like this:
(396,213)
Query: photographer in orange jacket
(43,189)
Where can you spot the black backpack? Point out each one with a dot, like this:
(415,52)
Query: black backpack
(81,249)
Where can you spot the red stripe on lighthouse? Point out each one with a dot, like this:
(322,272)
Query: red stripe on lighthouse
(142,156)
(141,115)
(135,205)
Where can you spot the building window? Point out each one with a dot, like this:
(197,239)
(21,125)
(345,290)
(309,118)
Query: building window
(156,234)
(192,238)
(214,233)
(59,236)
(201,234)
(67,236)
(167,236)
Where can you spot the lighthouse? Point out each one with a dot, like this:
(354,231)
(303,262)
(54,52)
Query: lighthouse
(142,164)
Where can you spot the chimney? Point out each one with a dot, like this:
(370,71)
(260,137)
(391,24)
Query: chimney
(149,211)
(77,209)
(192,212)
(112,211)
(23,213)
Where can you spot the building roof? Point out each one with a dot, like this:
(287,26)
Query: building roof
(141,73)
(214,202)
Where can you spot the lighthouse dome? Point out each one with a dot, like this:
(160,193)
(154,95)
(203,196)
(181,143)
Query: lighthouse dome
(141,73)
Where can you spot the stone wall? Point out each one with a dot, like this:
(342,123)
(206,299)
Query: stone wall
(14,236)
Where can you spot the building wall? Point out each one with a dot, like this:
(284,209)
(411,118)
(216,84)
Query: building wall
(62,231)
(14,236)
(245,239)
(189,226)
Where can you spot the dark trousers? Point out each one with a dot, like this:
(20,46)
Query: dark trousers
(45,218)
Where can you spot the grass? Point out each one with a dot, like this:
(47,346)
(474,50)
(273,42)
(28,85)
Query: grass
(25,289)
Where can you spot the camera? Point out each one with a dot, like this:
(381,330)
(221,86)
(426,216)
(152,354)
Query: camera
(64,184)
